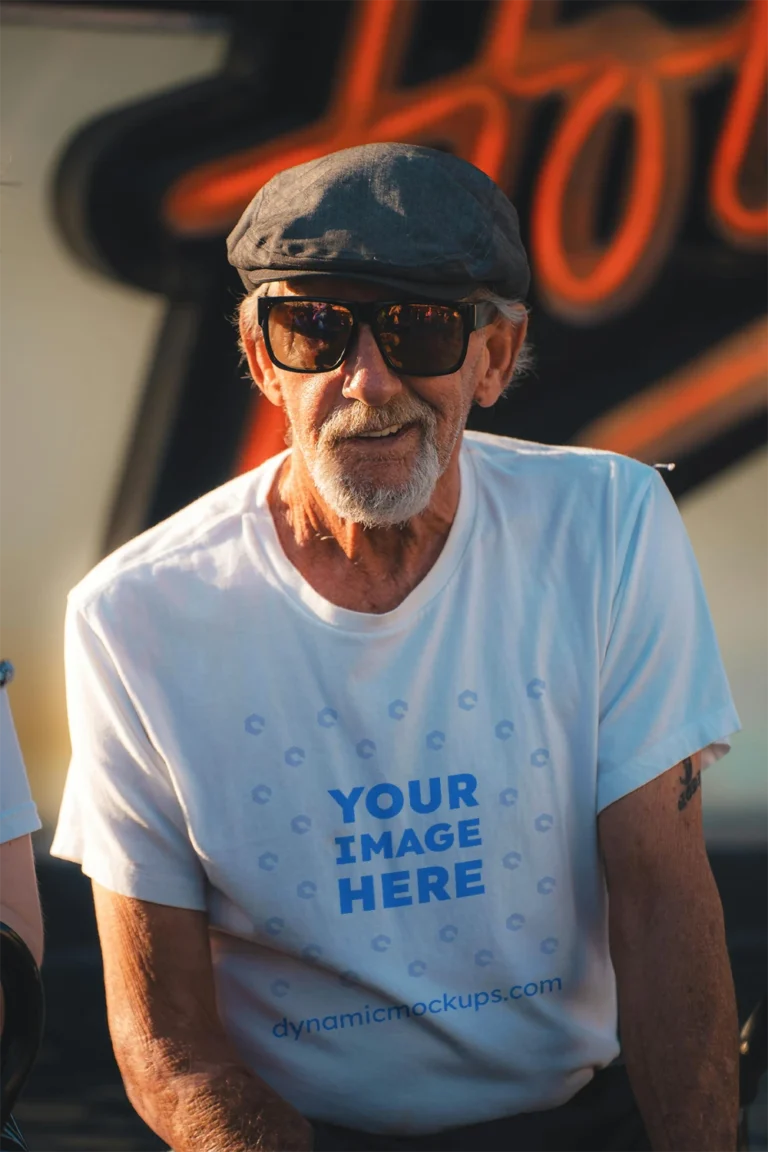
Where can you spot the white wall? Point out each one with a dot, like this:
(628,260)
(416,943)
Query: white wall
(73,353)
(727,520)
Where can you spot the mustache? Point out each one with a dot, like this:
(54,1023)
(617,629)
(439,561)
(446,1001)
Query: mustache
(360,418)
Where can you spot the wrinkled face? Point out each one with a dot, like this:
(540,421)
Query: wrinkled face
(374,443)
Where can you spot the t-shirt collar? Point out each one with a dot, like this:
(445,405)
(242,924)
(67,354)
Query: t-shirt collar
(267,546)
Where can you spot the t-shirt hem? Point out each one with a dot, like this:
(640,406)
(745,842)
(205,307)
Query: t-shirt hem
(709,732)
(19,821)
(135,883)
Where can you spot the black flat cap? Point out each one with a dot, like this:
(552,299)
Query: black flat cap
(412,218)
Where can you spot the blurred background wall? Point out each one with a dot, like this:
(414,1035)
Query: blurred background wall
(86,462)
(74,348)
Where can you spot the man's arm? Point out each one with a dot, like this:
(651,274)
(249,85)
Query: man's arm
(181,1072)
(19,899)
(676,1003)
(677,1008)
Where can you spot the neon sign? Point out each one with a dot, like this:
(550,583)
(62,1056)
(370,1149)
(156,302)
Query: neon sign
(621,59)
(618,60)
(717,389)
(619,65)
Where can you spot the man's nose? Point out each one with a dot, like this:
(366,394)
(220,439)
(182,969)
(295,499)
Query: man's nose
(367,377)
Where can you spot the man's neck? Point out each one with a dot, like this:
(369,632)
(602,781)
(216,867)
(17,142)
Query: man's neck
(362,569)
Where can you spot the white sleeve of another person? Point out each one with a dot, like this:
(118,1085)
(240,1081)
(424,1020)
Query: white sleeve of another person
(18,812)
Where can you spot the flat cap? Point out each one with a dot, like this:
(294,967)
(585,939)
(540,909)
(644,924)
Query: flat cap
(413,218)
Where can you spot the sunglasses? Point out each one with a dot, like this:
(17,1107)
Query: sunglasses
(304,334)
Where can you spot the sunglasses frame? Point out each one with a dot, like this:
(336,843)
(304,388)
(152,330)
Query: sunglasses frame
(474,316)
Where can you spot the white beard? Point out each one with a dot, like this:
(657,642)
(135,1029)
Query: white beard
(373,506)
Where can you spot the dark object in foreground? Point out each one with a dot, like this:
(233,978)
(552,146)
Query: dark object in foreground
(753,1051)
(22,1026)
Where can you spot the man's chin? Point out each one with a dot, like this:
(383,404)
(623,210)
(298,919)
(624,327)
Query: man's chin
(376,493)
(360,500)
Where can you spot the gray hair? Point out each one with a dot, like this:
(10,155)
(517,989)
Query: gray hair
(517,313)
(248,314)
(512,310)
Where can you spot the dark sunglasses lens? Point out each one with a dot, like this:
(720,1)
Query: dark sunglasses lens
(310,336)
(421,339)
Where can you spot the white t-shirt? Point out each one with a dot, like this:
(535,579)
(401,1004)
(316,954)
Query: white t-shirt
(391,819)
(18,813)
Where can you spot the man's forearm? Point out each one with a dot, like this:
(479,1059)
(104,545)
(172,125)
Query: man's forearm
(677,1014)
(214,1107)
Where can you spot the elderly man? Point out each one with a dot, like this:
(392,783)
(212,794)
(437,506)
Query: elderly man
(386,755)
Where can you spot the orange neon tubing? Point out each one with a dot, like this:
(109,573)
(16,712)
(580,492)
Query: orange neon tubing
(736,132)
(632,237)
(415,119)
(720,47)
(362,79)
(208,193)
(213,195)
(640,423)
(505,35)
(538,84)
(224,186)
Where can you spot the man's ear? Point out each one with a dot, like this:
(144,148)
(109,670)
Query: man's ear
(502,347)
(260,366)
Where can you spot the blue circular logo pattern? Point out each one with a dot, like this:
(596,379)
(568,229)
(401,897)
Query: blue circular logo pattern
(504,729)
(294,757)
(435,740)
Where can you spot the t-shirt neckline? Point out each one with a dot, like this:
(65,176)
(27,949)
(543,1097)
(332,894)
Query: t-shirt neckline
(297,589)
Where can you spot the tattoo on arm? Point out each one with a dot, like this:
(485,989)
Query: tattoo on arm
(690,783)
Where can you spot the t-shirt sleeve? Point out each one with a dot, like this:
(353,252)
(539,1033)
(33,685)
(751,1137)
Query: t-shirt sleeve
(120,817)
(18,813)
(663,690)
